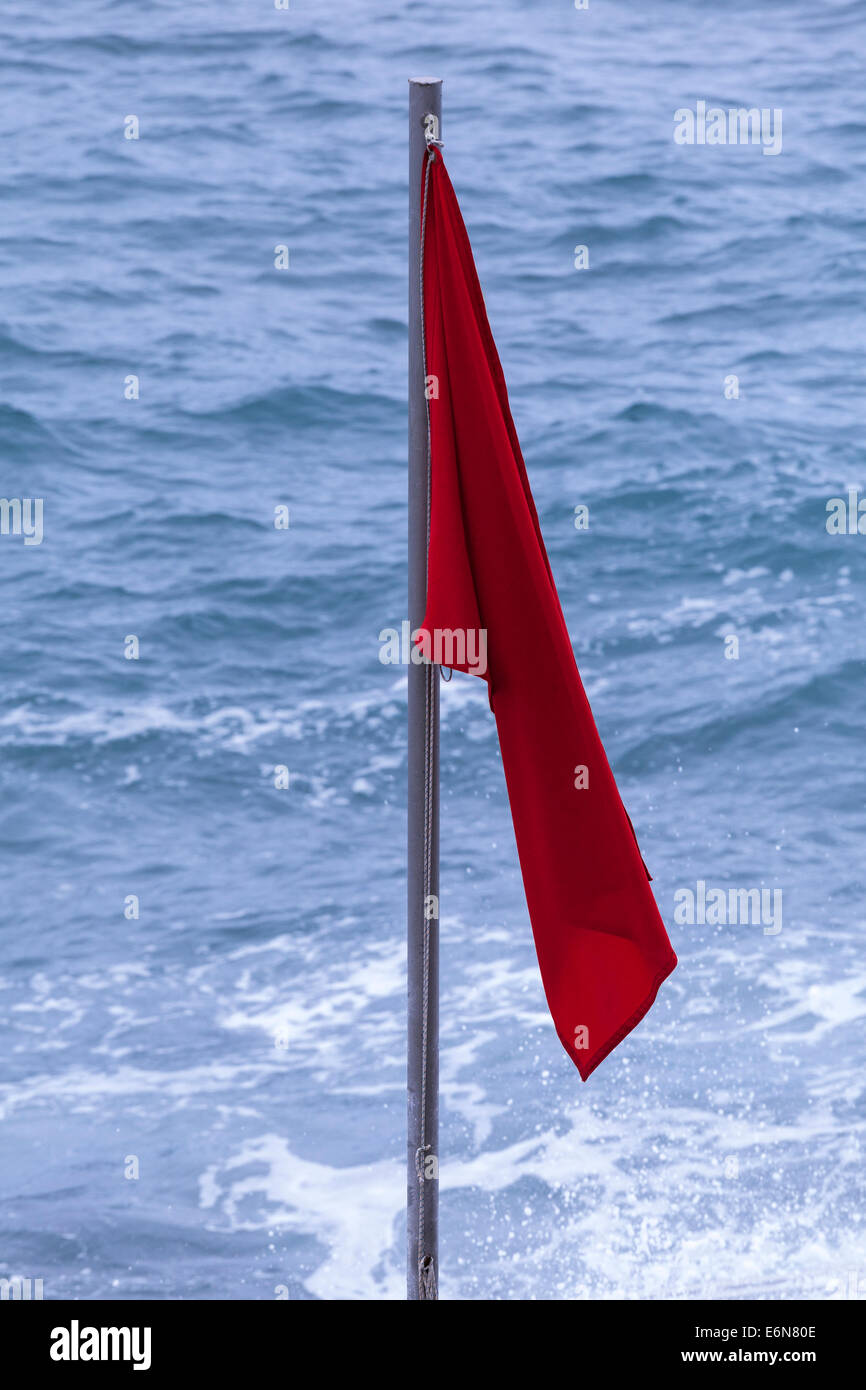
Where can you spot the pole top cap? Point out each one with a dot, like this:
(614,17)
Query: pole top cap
(425,81)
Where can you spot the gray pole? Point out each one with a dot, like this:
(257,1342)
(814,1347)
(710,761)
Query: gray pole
(422,1205)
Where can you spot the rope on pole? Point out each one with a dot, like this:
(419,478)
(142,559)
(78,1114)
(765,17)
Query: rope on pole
(426,1263)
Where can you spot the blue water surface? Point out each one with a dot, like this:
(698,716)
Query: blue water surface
(206,1099)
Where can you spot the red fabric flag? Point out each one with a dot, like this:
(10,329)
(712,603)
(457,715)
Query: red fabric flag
(602,947)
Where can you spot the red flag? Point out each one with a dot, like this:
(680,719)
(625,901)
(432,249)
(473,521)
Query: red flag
(602,946)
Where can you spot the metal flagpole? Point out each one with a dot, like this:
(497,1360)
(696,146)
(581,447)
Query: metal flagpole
(422,1089)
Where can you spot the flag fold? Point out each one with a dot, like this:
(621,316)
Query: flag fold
(492,609)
